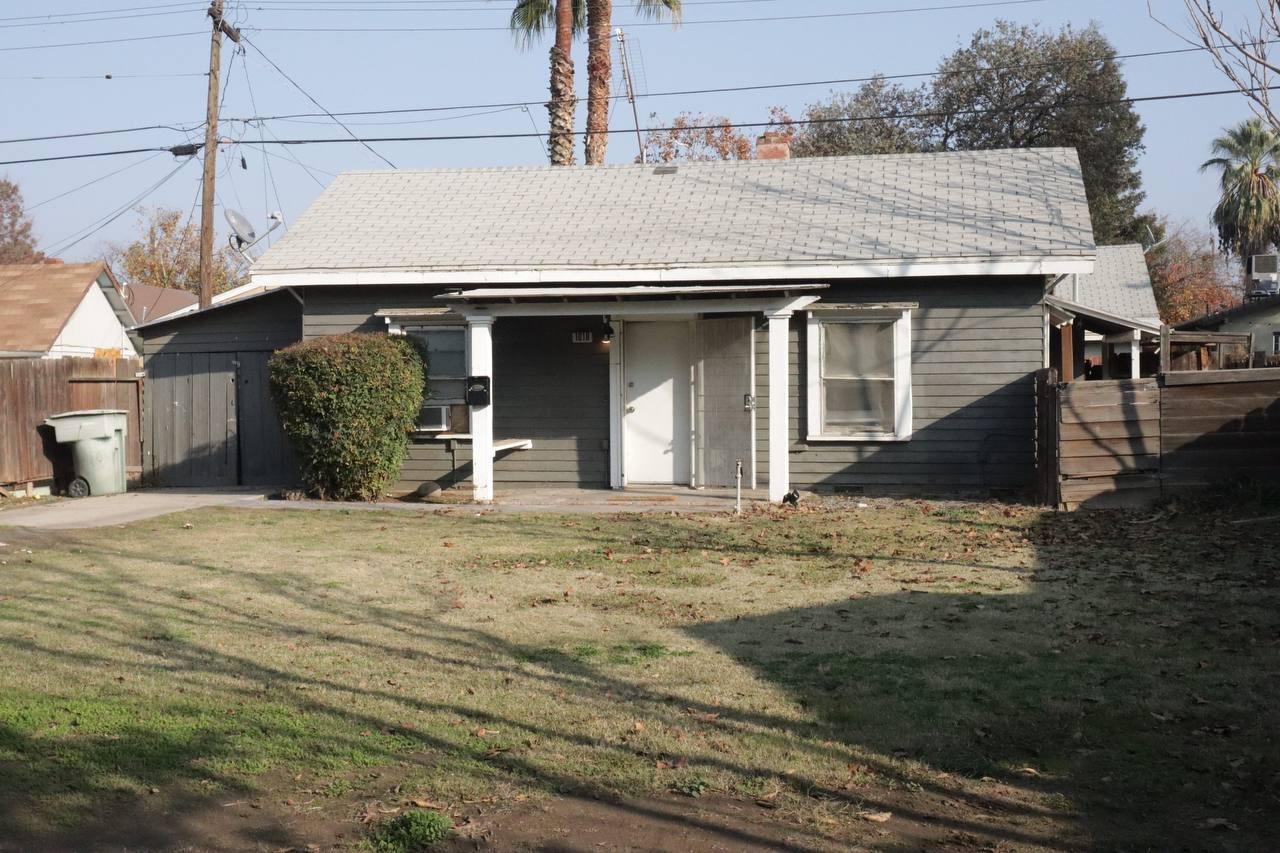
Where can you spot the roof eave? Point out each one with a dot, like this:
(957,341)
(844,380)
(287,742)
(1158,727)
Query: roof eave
(878,268)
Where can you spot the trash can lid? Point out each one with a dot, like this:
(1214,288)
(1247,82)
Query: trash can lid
(86,412)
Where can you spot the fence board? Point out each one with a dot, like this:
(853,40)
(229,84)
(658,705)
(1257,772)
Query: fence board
(33,389)
(1127,442)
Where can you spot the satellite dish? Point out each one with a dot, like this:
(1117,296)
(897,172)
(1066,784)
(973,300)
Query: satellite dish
(242,228)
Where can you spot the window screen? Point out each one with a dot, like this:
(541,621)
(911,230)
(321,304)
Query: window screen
(857,377)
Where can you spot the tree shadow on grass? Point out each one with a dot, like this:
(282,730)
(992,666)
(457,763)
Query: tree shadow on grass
(1051,692)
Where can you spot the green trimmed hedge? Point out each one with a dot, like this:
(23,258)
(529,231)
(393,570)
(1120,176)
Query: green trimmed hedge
(348,404)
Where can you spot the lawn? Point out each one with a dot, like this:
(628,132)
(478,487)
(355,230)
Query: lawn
(891,675)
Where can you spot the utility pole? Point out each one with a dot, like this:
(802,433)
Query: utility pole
(631,89)
(220,28)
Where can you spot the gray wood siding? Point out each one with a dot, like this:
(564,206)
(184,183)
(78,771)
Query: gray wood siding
(210,418)
(546,388)
(258,325)
(975,345)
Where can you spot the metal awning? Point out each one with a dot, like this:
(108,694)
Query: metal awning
(570,294)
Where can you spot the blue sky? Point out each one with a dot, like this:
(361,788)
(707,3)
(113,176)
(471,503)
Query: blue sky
(397,68)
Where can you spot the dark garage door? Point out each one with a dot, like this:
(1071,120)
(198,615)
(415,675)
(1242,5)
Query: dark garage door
(211,422)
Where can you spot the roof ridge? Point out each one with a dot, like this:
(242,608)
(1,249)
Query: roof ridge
(712,164)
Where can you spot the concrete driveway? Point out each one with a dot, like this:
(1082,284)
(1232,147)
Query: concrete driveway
(87,513)
(109,510)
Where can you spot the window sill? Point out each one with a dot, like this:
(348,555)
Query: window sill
(865,437)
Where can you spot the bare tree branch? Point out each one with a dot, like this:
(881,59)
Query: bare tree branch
(1240,54)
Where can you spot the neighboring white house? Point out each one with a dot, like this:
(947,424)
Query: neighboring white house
(62,310)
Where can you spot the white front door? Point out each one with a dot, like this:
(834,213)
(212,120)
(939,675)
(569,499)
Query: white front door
(656,404)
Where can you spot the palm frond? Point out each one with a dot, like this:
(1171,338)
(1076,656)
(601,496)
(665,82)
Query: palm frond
(656,9)
(530,19)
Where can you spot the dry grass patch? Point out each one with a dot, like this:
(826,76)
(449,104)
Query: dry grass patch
(986,674)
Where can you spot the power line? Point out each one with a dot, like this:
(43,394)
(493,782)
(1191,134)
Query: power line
(296,85)
(747,88)
(85,133)
(4,26)
(29,208)
(684,23)
(256,119)
(108,76)
(62,245)
(795,122)
(176,151)
(49,15)
(267,173)
(98,41)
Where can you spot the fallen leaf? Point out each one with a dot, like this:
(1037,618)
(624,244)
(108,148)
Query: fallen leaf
(877,817)
(1219,823)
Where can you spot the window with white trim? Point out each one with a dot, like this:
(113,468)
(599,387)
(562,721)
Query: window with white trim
(445,347)
(859,375)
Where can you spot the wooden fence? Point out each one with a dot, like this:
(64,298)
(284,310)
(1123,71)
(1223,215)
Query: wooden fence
(33,389)
(1128,442)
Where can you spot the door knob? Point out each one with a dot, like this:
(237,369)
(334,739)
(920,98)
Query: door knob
(631,410)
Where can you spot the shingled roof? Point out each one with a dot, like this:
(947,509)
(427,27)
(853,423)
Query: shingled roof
(815,212)
(36,300)
(1120,285)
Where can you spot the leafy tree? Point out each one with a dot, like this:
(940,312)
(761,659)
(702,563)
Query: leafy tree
(17,245)
(867,122)
(529,20)
(1019,86)
(1189,277)
(1248,212)
(697,137)
(600,66)
(168,255)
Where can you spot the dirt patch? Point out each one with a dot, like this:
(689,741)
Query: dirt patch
(709,823)
(567,824)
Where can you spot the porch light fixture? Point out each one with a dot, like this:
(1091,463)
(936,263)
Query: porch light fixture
(607,334)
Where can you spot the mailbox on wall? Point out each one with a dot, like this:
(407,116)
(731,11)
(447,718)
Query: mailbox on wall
(478,390)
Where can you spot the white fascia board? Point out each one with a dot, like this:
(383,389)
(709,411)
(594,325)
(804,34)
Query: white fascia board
(1105,316)
(908,268)
(681,308)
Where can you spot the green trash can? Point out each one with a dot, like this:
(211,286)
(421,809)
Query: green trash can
(96,437)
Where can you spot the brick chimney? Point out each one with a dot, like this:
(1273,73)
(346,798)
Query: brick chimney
(773,146)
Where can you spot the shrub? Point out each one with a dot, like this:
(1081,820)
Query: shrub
(348,404)
(411,832)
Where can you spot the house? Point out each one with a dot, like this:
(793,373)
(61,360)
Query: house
(1257,317)
(1112,315)
(858,324)
(57,310)
(147,302)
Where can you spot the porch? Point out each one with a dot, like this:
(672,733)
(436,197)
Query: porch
(619,387)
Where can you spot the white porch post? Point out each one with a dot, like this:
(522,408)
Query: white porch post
(480,363)
(1135,357)
(779,406)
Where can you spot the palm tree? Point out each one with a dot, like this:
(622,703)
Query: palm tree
(1248,213)
(600,66)
(530,19)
